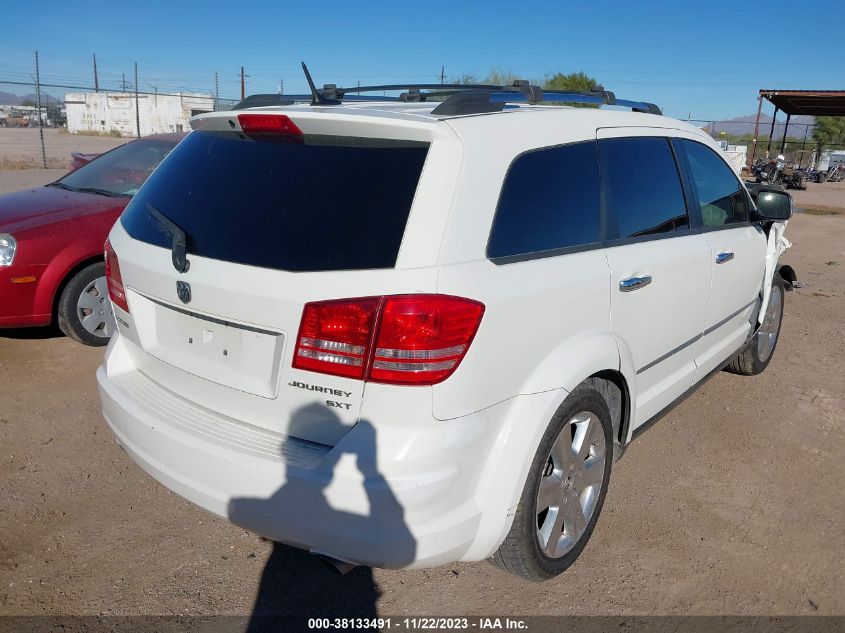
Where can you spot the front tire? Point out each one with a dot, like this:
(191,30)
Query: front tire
(564,492)
(757,356)
(84,312)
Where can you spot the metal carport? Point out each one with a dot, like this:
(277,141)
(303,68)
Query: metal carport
(810,102)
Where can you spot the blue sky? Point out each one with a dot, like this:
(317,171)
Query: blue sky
(707,59)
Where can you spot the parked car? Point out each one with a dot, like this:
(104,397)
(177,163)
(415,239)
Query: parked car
(51,242)
(78,159)
(409,334)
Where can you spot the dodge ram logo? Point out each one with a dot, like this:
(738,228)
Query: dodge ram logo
(183,291)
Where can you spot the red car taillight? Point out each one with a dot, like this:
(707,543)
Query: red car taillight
(422,338)
(334,336)
(115,281)
(406,339)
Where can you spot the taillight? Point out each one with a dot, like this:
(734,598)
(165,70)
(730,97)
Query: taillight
(115,281)
(334,336)
(405,339)
(422,338)
(269,125)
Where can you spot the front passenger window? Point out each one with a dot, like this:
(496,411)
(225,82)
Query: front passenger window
(720,195)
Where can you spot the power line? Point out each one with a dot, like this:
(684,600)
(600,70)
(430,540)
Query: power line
(119,89)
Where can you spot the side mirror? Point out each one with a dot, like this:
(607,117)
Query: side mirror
(773,206)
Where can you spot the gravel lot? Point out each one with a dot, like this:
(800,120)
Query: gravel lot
(21,147)
(733,504)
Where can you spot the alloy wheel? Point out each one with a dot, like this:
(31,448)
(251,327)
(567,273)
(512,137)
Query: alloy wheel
(570,484)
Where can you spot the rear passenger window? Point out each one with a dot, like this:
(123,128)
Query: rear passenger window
(720,195)
(643,193)
(549,201)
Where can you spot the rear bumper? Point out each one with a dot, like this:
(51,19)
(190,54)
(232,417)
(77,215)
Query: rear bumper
(381,498)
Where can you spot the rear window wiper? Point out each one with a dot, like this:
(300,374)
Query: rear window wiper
(178,246)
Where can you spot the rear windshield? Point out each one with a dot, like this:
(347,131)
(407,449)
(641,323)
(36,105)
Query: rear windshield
(326,203)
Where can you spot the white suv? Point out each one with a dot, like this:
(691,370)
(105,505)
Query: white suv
(403,335)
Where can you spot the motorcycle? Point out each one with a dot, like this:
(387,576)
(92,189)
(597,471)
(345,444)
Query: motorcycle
(776,172)
(764,171)
(836,173)
(791,178)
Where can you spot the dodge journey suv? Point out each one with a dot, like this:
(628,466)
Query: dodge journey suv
(403,333)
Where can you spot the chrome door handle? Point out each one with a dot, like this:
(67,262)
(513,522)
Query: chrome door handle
(634,283)
(724,257)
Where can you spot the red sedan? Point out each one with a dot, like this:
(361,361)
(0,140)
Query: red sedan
(51,241)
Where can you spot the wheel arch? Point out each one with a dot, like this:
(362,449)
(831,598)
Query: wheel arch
(70,274)
(509,477)
(613,387)
(787,273)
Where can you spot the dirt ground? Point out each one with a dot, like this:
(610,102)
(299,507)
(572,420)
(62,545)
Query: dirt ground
(15,179)
(21,147)
(825,195)
(733,504)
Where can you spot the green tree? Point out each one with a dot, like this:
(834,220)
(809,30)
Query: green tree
(496,76)
(501,77)
(573,82)
(466,78)
(829,130)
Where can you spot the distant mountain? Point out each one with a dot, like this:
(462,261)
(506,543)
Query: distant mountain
(744,126)
(7,98)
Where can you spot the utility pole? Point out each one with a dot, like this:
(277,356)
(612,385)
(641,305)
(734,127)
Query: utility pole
(38,100)
(281,85)
(96,79)
(756,132)
(442,74)
(137,111)
(243,89)
(216,91)
(123,83)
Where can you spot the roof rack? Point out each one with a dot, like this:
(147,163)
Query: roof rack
(460,99)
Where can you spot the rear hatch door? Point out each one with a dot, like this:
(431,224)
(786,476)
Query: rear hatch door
(271,222)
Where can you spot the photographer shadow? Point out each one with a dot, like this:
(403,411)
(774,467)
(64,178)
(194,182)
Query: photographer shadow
(295,584)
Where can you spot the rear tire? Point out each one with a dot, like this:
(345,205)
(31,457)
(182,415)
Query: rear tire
(569,475)
(756,357)
(84,312)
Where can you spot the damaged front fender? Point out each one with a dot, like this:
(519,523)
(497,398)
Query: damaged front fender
(777,245)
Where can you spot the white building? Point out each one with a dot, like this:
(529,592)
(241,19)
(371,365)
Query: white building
(159,114)
(737,154)
(830,158)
